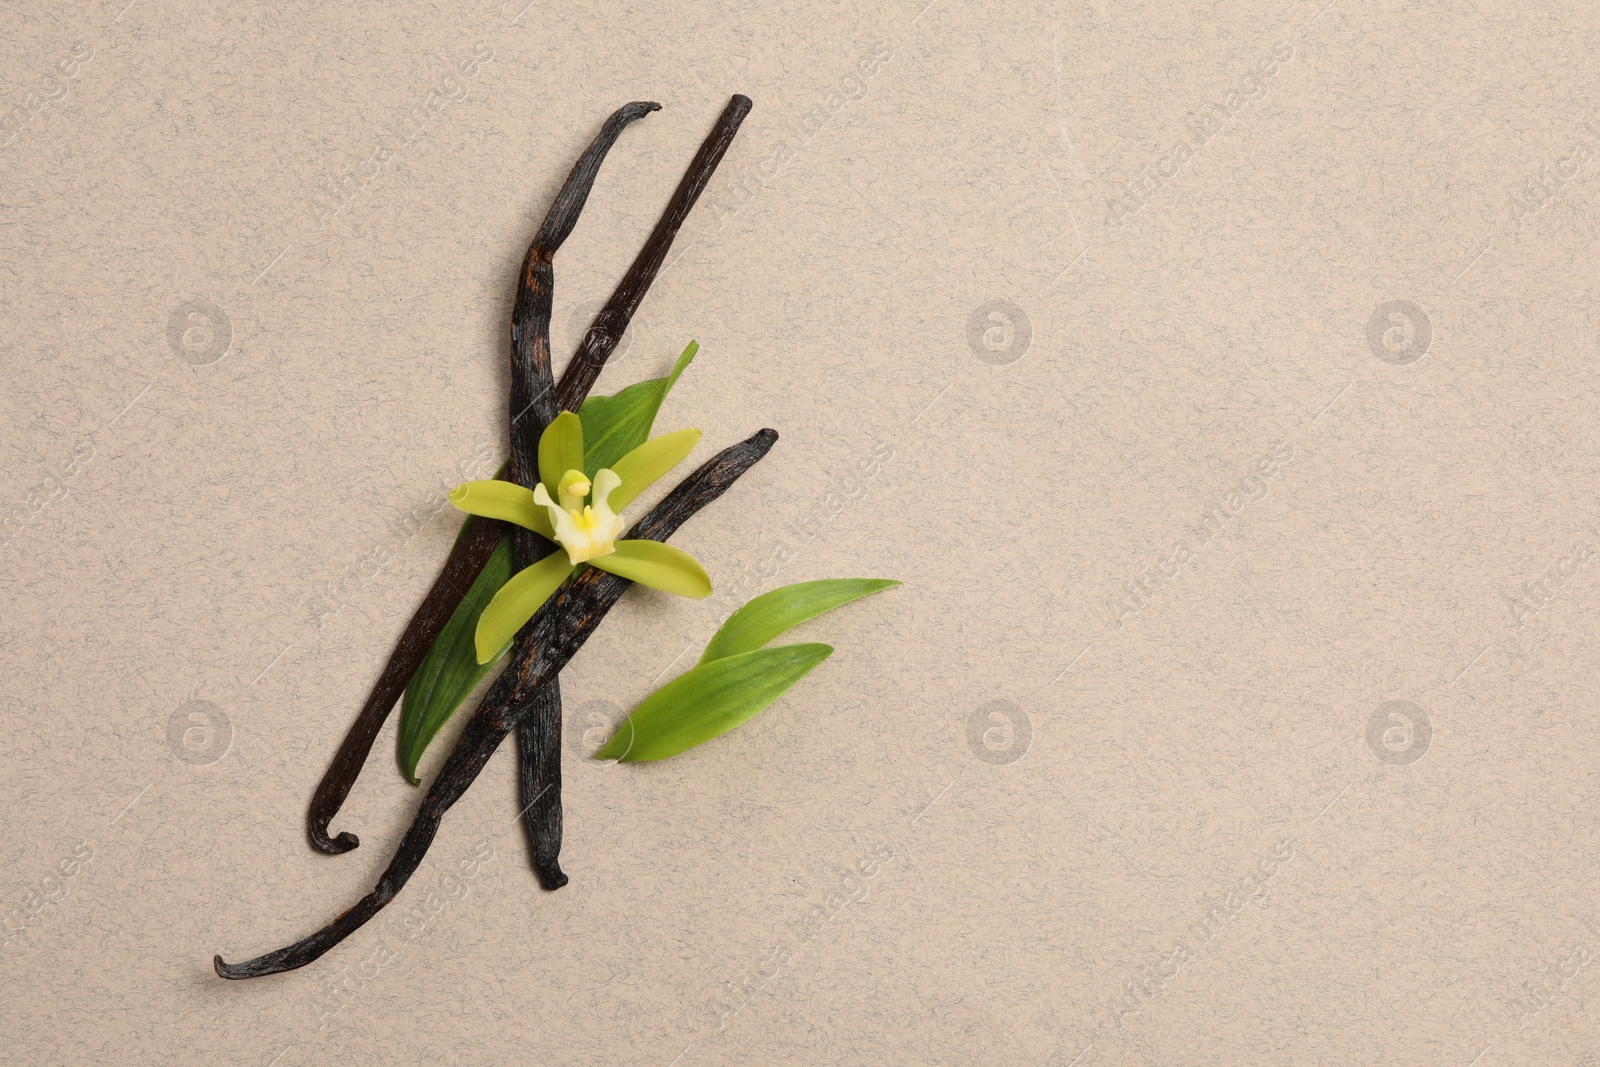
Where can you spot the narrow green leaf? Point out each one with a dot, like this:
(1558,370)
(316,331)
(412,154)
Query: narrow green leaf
(451,668)
(641,468)
(658,565)
(770,614)
(615,425)
(560,451)
(710,700)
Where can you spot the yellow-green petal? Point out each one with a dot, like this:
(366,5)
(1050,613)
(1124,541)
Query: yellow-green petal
(495,499)
(516,602)
(660,566)
(560,451)
(641,468)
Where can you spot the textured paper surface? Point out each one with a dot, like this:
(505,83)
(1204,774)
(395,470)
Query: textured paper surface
(1220,379)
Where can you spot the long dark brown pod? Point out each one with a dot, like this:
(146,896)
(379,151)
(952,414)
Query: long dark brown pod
(467,559)
(533,406)
(609,325)
(539,729)
(541,650)
(539,782)
(531,380)
(473,549)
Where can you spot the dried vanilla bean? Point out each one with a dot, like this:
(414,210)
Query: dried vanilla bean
(477,542)
(468,557)
(540,651)
(613,319)
(474,547)
(539,730)
(533,405)
(532,386)
(539,782)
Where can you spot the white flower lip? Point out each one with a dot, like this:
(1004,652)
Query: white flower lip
(586,531)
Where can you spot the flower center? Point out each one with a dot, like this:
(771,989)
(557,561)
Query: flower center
(585,530)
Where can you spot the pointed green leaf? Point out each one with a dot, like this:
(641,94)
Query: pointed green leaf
(451,668)
(641,468)
(658,565)
(560,451)
(517,600)
(495,499)
(770,614)
(710,700)
(615,425)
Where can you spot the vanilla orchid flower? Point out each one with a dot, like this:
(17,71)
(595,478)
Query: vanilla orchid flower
(581,515)
(584,530)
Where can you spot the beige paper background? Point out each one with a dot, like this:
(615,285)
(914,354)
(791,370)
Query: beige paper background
(214,510)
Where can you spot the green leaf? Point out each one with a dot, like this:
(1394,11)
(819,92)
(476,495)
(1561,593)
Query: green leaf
(641,468)
(658,565)
(451,668)
(560,451)
(710,700)
(516,601)
(770,614)
(615,425)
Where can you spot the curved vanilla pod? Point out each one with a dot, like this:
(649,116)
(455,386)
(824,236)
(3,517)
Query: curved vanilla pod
(541,649)
(539,725)
(477,542)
